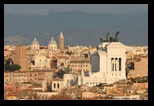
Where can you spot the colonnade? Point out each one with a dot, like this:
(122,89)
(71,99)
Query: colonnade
(116,64)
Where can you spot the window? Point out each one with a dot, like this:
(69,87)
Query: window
(119,74)
(58,85)
(90,82)
(119,64)
(116,64)
(54,85)
(112,63)
(112,74)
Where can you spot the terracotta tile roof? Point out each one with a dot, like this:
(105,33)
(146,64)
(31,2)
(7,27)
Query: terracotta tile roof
(11,95)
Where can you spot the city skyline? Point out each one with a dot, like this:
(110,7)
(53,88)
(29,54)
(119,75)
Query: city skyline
(79,23)
(75,51)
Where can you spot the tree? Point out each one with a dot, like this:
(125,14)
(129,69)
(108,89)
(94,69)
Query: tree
(68,52)
(62,64)
(60,73)
(12,67)
(9,61)
(68,69)
(17,67)
(99,85)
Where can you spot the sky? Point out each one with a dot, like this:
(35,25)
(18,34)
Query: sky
(44,9)
(12,28)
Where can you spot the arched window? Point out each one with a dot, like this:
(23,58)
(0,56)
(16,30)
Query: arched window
(58,85)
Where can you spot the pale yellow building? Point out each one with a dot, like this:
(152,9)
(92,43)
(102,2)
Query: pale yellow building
(41,62)
(57,84)
(62,61)
(140,68)
(79,63)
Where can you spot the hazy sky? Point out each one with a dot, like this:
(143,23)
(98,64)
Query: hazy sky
(43,9)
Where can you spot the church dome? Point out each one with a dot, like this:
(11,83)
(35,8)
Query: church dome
(52,41)
(35,42)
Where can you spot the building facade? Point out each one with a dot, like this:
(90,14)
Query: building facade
(57,84)
(78,64)
(21,58)
(108,64)
(35,76)
(63,61)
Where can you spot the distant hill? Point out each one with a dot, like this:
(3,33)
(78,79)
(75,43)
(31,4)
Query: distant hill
(77,27)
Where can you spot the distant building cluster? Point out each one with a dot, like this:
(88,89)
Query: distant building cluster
(54,68)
